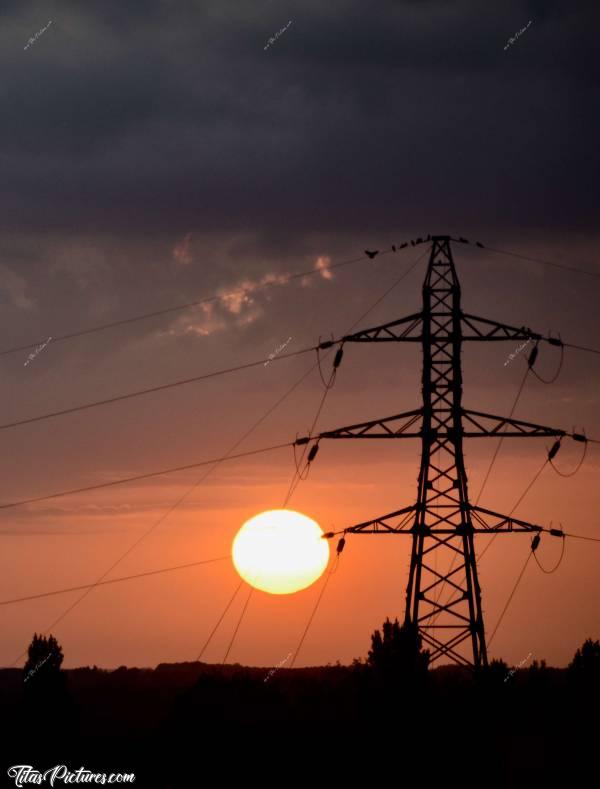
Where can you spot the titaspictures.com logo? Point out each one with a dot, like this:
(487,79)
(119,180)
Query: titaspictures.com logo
(25,774)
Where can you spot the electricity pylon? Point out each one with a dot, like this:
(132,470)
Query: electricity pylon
(443,521)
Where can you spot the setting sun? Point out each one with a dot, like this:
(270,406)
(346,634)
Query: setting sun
(280,551)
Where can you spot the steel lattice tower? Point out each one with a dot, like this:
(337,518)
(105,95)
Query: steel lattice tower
(442,494)
(442,523)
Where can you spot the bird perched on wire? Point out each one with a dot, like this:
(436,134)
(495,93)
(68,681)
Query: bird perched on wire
(371,254)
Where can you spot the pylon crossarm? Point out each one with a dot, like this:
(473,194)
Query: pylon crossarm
(391,332)
(505,523)
(377,428)
(382,524)
(475,426)
(484,329)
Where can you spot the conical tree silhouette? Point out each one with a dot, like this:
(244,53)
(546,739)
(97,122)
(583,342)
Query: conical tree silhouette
(398,652)
(586,662)
(46,696)
(44,659)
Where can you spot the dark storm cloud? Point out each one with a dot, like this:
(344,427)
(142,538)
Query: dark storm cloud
(172,115)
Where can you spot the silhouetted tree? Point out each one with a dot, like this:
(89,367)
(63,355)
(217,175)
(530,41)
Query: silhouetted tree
(538,668)
(498,666)
(586,662)
(44,659)
(44,681)
(45,689)
(398,651)
(537,681)
(495,673)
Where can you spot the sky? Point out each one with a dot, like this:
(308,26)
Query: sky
(159,153)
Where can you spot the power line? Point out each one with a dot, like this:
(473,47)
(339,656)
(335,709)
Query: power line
(531,484)
(510,597)
(111,581)
(314,611)
(237,627)
(554,265)
(501,440)
(545,262)
(220,619)
(297,476)
(581,348)
(150,390)
(581,537)
(504,610)
(492,463)
(279,280)
(148,475)
(521,497)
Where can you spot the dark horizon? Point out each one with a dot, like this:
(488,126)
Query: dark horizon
(161,155)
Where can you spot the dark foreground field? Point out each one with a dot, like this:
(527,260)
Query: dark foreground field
(192,724)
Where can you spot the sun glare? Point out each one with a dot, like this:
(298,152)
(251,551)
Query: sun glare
(280,551)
